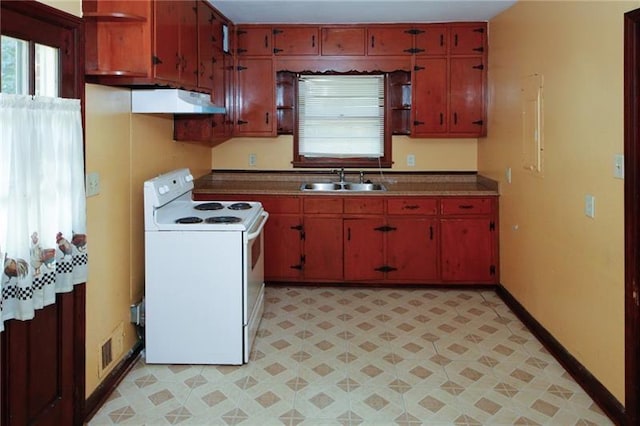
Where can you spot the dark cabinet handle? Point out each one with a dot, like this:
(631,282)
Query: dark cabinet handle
(465,206)
(455,40)
(441,39)
(297,227)
(313,41)
(298,267)
(385,268)
(373,41)
(266,118)
(455,118)
(411,207)
(441,119)
(431,232)
(266,42)
(348,234)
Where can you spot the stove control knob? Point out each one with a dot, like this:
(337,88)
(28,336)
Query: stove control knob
(163,189)
(188,178)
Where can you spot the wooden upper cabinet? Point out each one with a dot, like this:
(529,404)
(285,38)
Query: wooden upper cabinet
(343,41)
(431,40)
(467,110)
(176,42)
(296,40)
(255,97)
(470,39)
(209,43)
(389,41)
(430,97)
(254,41)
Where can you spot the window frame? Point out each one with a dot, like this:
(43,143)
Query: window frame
(302,161)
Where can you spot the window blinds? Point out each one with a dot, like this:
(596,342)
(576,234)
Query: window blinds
(341,116)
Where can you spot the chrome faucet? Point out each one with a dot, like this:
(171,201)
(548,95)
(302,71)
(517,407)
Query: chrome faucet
(340,174)
(361,176)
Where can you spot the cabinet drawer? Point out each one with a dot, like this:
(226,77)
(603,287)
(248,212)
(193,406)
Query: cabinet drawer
(322,205)
(412,206)
(456,206)
(280,204)
(364,206)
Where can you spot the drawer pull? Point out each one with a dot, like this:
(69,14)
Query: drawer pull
(465,206)
(431,232)
(411,207)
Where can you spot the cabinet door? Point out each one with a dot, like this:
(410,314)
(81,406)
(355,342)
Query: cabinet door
(431,40)
(389,41)
(296,41)
(323,248)
(254,41)
(467,96)
(363,249)
(467,250)
(188,43)
(209,32)
(430,90)
(468,39)
(256,97)
(283,247)
(167,60)
(412,249)
(343,41)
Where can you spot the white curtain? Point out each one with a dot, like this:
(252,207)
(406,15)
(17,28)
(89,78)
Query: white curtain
(43,242)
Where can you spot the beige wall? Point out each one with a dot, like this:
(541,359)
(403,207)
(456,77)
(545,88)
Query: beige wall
(125,149)
(277,154)
(565,268)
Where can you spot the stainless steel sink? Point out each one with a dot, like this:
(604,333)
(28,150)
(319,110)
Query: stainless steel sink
(342,187)
(321,186)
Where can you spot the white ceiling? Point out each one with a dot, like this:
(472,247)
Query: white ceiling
(358,11)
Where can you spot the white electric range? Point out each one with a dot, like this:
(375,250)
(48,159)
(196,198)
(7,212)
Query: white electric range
(204,274)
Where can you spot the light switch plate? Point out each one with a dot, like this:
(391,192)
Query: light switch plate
(590,206)
(252,160)
(411,160)
(618,166)
(92,184)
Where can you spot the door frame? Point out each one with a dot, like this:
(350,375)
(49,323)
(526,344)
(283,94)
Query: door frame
(632,213)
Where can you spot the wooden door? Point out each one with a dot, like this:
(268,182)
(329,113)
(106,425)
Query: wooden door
(283,247)
(323,248)
(343,41)
(363,249)
(431,40)
(467,250)
(254,41)
(256,97)
(209,42)
(430,96)
(412,249)
(167,61)
(467,96)
(42,361)
(296,41)
(468,39)
(389,41)
(188,43)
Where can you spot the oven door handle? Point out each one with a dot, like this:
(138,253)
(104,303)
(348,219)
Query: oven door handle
(253,235)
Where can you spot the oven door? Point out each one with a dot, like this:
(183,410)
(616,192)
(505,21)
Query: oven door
(253,281)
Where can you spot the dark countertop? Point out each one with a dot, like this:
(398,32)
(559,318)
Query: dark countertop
(397,183)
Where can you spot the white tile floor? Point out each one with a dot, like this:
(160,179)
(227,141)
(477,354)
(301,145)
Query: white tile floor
(361,356)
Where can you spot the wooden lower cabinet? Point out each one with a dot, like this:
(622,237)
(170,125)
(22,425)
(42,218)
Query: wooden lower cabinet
(378,240)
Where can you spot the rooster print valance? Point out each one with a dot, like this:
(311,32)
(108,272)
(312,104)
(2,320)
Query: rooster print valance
(43,241)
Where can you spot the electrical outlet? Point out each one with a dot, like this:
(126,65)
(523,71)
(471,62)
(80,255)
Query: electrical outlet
(252,160)
(92,184)
(590,206)
(411,160)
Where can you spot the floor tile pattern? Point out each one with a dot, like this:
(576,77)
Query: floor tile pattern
(361,356)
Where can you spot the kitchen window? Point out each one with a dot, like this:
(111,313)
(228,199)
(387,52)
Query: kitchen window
(17,69)
(341,122)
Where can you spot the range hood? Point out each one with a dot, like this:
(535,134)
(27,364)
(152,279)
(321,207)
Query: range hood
(172,101)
